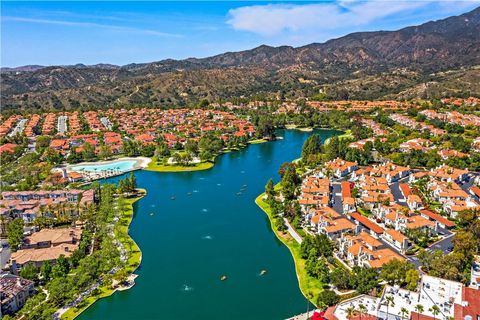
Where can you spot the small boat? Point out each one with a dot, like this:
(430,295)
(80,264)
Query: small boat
(189,194)
(263,272)
(239,193)
(223,278)
(172,198)
(151,213)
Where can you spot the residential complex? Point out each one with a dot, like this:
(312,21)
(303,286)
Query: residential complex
(46,245)
(29,205)
(14,292)
(375,226)
(434,298)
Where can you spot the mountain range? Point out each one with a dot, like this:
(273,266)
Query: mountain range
(432,60)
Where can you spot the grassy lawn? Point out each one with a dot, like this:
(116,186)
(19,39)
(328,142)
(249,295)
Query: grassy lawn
(295,127)
(153,166)
(363,212)
(134,257)
(347,135)
(72,313)
(121,233)
(308,285)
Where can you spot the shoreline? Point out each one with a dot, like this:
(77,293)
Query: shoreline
(132,263)
(309,287)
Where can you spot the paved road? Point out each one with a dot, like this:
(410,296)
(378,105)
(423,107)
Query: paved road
(466,187)
(106,123)
(445,245)
(62,124)
(4,254)
(397,194)
(18,128)
(336,197)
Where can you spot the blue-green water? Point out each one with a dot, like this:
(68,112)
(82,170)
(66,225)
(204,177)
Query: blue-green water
(120,165)
(212,228)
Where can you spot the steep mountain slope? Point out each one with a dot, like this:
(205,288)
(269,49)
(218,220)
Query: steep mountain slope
(384,63)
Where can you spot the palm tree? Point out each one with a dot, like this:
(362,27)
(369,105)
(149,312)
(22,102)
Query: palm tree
(404,312)
(350,312)
(362,309)
(435,310)
(389,302)
(419,308)
(309,296)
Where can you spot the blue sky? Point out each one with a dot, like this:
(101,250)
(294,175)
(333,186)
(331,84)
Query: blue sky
(57,33)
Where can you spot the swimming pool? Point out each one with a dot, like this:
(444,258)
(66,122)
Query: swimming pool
(121,165)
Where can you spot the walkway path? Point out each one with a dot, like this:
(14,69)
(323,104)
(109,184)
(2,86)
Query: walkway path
(292,232)
(123,258)
(303,316)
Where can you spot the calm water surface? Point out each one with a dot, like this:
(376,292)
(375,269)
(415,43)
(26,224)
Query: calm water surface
(212,228)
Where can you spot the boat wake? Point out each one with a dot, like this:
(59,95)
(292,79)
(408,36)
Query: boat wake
(186,288)
(207,238)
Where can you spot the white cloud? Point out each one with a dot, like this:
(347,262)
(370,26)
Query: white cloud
(273,19)
(92,25)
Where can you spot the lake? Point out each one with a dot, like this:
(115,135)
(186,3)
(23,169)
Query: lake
(212,228)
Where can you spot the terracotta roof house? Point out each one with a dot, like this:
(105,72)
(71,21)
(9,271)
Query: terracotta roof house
(14,292)
(8,147)
(341,168)
(46,245)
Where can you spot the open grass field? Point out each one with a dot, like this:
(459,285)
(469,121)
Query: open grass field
(153,166)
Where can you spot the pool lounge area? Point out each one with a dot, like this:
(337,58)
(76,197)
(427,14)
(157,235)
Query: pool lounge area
(104,169)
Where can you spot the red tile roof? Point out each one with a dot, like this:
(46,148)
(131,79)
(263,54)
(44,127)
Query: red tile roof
(475,190)
(367,222)
(346,189)
(8,147)
(472,307)
(405,188)
(438,218)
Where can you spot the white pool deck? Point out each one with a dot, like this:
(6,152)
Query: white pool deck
(89,175)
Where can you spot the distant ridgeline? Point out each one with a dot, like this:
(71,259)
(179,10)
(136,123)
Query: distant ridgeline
(436,59)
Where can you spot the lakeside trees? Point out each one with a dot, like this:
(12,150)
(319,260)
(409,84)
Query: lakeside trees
(127,185)
(96,256)
(311,149)
(456,265)
(401,273)
(290,180)
(15,233)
